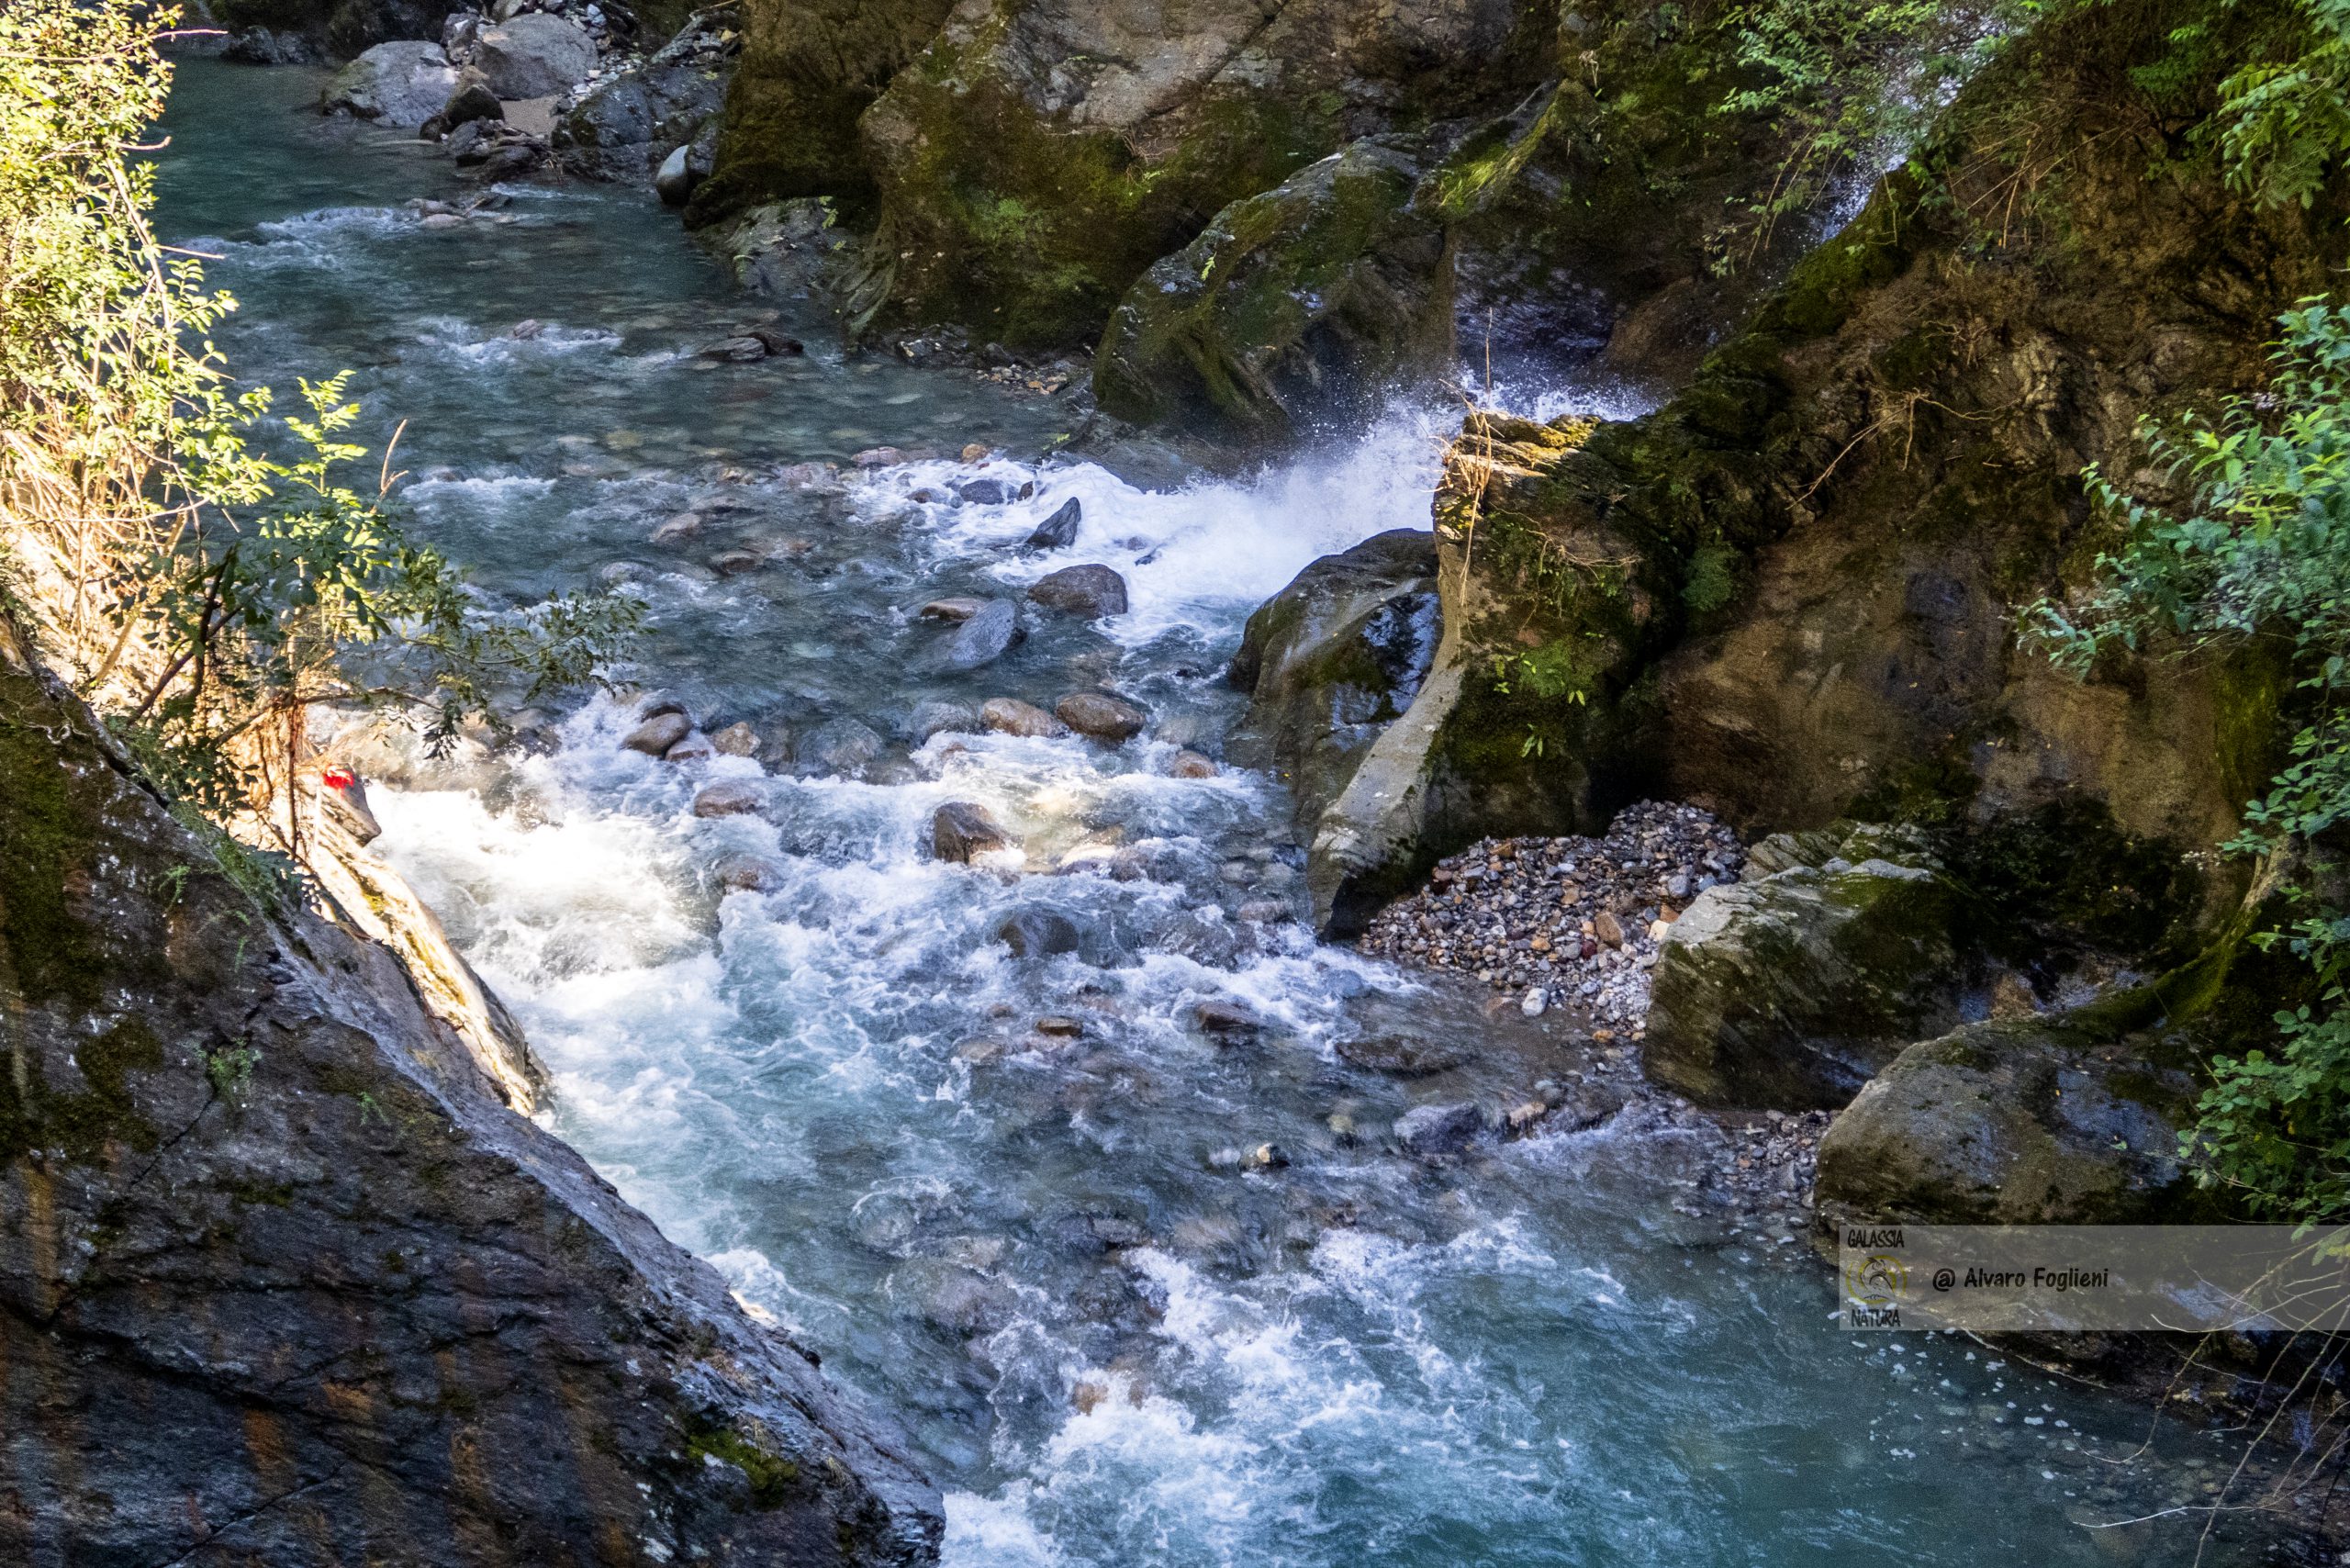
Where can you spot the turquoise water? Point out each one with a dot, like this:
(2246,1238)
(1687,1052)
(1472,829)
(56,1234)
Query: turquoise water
(1114,1339)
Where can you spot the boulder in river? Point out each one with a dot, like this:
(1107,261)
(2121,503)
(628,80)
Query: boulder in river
(658,732)
(1013,717)
(961,829)
(1333,660)
(1060,531)
(750,874)
(393,84)
(534,55)
(935,717)
(1405,1056)
(842,745)
(1425,1131)
(1788,991)
(955,609)
(729,798)
(1038,933)
(1093,591)
(738,739)
(982,639)
(1100,716)
(1300,304)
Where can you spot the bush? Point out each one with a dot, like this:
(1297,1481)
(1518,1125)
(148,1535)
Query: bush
(203,593)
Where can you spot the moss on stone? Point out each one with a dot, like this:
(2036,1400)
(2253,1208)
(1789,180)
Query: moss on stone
(774,1479)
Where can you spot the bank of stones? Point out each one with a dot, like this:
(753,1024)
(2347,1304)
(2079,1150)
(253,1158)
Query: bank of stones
(1564,922)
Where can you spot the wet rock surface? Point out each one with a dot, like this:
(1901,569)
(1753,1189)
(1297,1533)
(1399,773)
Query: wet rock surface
(277,1263)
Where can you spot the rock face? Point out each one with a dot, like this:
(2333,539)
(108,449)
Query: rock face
(1334,659)
(1786,992)
(1295,307)
(1039,155)
(2031,1122)
(281,1278)
(535,55)
(393,84)
(1789,594)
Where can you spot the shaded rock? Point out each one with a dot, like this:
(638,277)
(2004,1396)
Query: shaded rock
(471,100)
(1038,934)
(672,182)
(1100,716)
(1059,1027)
(694,748)
(2021,1121)
(959,830)
(728,797)
(658,734)
(1334,659)
(619,125)
(1091,592)
(1788,991)
(1059,530)
(1191,764)
(1014,717)
(934,718)
(982,639)
(1299,305)
(534,55)
(1428,1130)
(842,745)
(393,84)
(986,492)
(1404,1057)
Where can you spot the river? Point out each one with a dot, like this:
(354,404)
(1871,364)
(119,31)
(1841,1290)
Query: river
(1114,1338)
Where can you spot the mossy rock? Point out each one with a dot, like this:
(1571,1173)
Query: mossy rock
(1294,308)
(2024,1122)
(1787,991)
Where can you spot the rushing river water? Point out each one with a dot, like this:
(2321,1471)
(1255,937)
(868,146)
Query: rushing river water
(1115,1340)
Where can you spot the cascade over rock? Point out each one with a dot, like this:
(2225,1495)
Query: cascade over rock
(1790,594)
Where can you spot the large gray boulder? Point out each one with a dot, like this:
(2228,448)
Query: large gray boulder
(393,84)
(534,56)
(2025,1122)
(283,1281)
(1788,991)
(1332,660)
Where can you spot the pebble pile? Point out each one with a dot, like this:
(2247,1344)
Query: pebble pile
(1564,921)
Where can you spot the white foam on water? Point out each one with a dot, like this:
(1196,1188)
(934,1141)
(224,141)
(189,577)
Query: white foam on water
(1200,558)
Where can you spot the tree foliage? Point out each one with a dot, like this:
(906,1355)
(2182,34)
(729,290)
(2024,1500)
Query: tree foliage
(2261,550)
(205,590)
